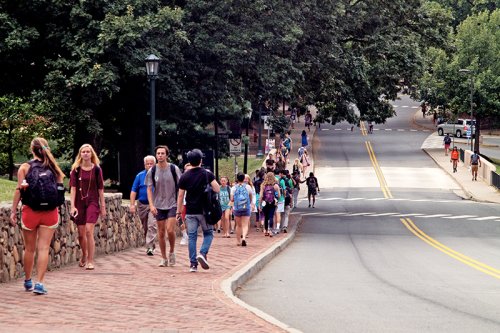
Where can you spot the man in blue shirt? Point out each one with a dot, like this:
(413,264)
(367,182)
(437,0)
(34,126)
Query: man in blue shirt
(139,193)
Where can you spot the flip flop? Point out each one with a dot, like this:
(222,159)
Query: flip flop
(82,263)
(90,267)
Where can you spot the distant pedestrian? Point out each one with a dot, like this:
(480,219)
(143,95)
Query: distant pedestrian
(296,186)
(304,160)
(270,163)
(254,200)
(287,142)
(257,183)
(241,197)
(370,128)
(38,225)
(308,120)
(269,192)
(312,188)
(303,136)
(297,167)
(193,182)
(224,199)
(280,207)
(281,163)
(293,117)
(289,188)
(139,192)
(424,109)
(87,200)
(447,142)
(475,163)
(454,158)
(164,178)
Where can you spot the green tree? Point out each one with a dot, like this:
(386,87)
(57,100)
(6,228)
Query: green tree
(21,121)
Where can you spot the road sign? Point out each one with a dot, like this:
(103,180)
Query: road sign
(235,146)
(270,144)
(468,133)
(266,125)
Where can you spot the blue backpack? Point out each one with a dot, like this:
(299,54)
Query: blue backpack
(241,199)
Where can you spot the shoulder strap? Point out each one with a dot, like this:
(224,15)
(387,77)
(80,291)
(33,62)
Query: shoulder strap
(174,175)
(153,172)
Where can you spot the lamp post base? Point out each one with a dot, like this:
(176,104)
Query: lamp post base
(260,154)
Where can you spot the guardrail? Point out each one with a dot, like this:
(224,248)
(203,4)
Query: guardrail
(495,179)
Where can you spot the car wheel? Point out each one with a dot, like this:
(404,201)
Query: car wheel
(440,132)
(458,134)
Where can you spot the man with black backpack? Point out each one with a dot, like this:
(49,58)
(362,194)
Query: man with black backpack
(163,201)
(193,183)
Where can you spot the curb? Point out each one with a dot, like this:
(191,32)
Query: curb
(230,285)
(468,194)
(415,123)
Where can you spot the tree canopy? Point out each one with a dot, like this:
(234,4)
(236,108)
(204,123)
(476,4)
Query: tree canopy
(85,61)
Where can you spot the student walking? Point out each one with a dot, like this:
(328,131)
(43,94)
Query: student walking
(193,183)
(475,163)
(312,188)
(139,192)
(224,199)
(296,186)
(241,197)
(269,192)
(454,158)
(164,178)
(303,136)
(38,223)
(447,142)
(304,160)
(288,199)
(248,181)
(87,200)
(297,166)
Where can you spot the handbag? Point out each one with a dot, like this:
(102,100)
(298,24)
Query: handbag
(211,205)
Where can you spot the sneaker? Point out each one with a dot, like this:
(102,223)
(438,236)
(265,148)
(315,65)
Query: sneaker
(193,268)
(184,241)
(285,230)
(171,259)
(163,263)
(149,252)
(309,205)
(28,285)
(202,260)
(39,289)
(243,243)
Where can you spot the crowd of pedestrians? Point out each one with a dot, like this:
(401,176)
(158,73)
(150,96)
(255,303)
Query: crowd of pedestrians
(165,199)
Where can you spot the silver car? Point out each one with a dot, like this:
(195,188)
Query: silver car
(458,128)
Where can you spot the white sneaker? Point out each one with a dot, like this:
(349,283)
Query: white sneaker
(171,259)
(184,239)
(163,263)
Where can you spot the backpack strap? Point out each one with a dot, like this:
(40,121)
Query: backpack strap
(174,175)
(153,173)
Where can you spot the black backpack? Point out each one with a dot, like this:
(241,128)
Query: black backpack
(211,205)
(43,191)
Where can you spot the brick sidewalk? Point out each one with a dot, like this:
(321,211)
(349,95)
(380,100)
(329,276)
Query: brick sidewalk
(128,292)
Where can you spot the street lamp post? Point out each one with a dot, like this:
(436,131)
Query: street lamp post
(152,64)
(471,74)
(259,149)
(248,117)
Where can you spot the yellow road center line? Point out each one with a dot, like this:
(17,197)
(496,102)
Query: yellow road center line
(408,223)
(378,171)
(363,128)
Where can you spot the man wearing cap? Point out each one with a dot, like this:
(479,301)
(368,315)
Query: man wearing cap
(193,183)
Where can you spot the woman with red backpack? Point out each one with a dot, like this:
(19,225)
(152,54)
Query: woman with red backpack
(268,198)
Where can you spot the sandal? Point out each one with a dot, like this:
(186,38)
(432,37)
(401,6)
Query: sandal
(90,266)
(82,263)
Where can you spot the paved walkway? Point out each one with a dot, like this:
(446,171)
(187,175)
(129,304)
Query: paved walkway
(476,190)
(129,292)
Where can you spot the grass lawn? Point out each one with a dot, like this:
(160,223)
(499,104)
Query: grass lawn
(7,188)
(226,166)
(497,163)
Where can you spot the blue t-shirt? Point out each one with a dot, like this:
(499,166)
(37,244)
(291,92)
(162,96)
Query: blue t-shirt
(140,187)
(224,197)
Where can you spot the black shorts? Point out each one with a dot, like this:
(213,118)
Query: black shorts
(164,214)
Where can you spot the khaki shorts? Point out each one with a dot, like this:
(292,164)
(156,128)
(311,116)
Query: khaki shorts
(474,167)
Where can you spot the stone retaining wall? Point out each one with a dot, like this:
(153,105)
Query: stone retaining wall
(119,231)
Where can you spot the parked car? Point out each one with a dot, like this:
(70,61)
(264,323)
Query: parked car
(458,128)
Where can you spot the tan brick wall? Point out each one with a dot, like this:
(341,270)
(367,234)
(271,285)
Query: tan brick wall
(118,231)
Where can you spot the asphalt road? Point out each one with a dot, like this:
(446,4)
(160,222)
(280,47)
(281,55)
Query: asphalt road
(389,247)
